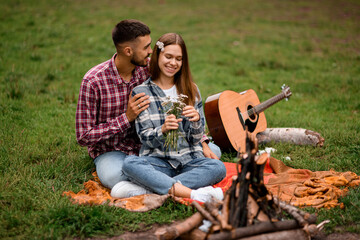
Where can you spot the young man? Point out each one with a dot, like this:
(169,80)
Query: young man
(106,111)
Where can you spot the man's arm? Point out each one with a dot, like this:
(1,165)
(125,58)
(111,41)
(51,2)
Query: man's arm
(88,131)
(207,151)
(136,105)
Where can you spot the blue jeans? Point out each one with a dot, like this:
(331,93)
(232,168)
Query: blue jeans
(215,149)
(159,176)
(109,166)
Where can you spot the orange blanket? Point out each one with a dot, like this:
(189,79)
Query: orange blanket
(300,187)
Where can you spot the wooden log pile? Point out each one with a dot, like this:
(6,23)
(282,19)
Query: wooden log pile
(248,210)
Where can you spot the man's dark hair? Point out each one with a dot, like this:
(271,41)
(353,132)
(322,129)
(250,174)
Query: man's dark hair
(128,30)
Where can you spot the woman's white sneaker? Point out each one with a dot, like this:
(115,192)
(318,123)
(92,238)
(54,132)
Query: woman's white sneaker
(205,194)
(126,189)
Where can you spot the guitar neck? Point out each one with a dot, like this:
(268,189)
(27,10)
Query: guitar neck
(264,105)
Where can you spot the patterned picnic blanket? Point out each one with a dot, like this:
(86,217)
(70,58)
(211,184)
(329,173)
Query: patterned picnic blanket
(299,187)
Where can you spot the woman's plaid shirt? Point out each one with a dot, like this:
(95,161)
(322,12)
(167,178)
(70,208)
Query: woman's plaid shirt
(148,127)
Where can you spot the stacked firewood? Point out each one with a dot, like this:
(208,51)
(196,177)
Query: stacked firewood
(248,210)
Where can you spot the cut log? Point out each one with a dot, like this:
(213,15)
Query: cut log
(195,234)
(213,209)
(298,136)
(302,217)
(263,227)
(204,213)
(225,213)
(173,232)
(297,234)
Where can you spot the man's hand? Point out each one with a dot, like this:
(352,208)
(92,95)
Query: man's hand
(207,151)
(136,105)
(191,113)
(171,123)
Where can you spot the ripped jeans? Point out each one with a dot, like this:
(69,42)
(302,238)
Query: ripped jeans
(159,176)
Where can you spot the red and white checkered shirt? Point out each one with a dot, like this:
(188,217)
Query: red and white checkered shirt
(101,122)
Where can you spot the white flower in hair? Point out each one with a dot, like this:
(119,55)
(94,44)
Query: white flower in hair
(160,45)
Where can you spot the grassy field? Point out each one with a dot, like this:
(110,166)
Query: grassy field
(47,46)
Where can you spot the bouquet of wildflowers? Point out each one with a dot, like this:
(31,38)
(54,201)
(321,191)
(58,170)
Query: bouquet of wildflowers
(173,106)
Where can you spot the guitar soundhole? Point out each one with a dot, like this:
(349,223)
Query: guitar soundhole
(252,115)
(252,121)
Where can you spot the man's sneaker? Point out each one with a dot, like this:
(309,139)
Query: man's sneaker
(206,193)
(126,189)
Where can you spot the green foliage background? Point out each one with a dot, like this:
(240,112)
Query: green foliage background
(47,46)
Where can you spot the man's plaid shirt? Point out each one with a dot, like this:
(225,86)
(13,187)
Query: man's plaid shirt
(148,126)
(101,122)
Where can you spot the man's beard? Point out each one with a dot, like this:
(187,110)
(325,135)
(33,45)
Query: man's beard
(137,62)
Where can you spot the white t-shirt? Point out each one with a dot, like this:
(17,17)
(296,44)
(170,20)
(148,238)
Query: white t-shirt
(171,92)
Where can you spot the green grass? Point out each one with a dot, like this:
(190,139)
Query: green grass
(47,46)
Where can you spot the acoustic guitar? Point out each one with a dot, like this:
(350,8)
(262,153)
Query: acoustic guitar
(229,114)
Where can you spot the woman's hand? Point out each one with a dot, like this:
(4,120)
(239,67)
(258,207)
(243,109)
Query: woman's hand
(191,113)
(170,123)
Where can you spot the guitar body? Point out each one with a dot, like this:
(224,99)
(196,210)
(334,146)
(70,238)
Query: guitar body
(227,118)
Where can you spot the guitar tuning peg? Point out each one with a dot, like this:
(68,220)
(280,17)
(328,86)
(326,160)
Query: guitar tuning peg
(283,86)
(286,99)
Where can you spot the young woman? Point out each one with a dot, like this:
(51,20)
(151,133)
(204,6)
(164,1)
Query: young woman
(183,170)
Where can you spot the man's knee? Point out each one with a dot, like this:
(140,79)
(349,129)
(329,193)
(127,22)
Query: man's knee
(109,168)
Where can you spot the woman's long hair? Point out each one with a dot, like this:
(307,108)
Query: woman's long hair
(183,79)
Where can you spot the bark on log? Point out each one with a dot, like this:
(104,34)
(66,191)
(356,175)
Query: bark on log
(172,232)
(302,217)
(263,227)
(298,136)
(225,213)
(195,234)
(204,213)
(213,209)
(297,234)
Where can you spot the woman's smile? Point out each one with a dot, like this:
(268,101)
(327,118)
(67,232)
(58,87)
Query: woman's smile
(170,60)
